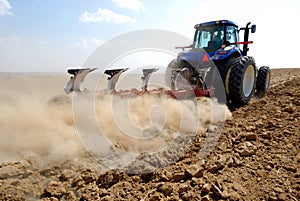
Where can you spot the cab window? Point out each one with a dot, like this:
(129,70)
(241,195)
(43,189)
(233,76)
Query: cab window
(231,34)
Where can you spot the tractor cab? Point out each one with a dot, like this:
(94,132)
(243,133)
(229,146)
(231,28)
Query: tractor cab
(211,36)
(217,40)
(216,59)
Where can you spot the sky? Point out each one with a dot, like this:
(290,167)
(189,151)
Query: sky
(52,35)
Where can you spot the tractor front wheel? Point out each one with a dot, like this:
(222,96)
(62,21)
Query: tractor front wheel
(242,81)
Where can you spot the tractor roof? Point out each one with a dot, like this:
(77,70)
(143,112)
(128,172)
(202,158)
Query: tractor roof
(217,22)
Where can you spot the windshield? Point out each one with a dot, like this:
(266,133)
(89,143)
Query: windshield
(211,38)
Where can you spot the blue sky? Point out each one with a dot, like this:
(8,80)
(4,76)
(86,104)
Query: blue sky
(52,35)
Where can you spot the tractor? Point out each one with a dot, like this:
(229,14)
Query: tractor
(217,59)
(214,65)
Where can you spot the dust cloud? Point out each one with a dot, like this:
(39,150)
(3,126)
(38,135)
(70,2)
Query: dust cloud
(31,127)
(28,125)
(151,123)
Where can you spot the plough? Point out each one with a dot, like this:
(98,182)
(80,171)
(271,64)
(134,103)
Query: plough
(185,91)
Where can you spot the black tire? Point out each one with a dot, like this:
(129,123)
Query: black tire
(263,81)
(223,66)
(242,81)
(213,79)
(222,86)
(172,65)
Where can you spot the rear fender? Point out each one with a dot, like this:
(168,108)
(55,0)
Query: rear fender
(194,58)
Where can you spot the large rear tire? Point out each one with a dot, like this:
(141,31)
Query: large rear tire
(214,79)
(263,81)
(221,82)
(242,81)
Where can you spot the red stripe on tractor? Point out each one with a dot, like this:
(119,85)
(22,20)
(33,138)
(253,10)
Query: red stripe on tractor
(242,43)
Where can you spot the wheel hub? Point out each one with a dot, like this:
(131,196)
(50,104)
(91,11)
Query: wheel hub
(248,80)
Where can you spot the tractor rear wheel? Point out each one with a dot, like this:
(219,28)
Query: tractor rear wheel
(172,65)
(214,79)
(263,81)
(242,81)
(221,82)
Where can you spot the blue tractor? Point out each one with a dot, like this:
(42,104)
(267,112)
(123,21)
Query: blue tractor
(215,58)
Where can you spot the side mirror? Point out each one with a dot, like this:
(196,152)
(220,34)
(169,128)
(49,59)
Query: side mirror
(253,28)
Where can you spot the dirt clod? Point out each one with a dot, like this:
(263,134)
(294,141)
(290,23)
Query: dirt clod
(165,188)
(205,189)
(246,149)
(55,189)
(194,171)
(109,178)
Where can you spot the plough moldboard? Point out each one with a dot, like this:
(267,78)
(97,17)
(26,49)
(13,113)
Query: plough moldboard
(113,75)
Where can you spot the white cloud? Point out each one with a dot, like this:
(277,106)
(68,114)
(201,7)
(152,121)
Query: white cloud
(105,15)
(88,44)
(134,5)
(5,8)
